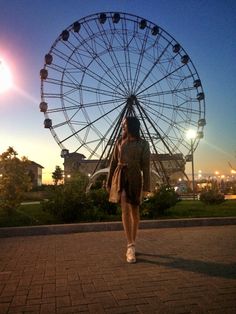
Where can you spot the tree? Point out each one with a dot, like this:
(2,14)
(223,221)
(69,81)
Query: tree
(14,180)
(57,175)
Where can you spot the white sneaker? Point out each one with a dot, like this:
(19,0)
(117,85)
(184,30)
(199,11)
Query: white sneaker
(130,255)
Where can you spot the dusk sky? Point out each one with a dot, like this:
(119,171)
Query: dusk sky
(206,30)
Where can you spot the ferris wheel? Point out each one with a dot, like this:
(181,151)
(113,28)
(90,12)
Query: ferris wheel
(106,66)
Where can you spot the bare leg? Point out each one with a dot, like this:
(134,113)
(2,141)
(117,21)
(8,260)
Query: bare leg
(134,209)
(126,218)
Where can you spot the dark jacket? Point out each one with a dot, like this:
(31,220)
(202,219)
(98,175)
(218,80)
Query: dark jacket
(132,159)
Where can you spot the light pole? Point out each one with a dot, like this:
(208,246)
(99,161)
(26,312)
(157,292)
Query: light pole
(191,135)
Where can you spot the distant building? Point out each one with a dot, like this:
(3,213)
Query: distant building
(174,165)
(74,162)
(35,173)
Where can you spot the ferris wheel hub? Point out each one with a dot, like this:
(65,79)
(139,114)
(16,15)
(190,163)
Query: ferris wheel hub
(132,100)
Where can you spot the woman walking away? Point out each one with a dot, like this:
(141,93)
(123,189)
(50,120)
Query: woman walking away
(129,179)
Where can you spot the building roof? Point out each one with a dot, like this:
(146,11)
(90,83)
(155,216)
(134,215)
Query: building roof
(75,155)
(33,163)
(165,157)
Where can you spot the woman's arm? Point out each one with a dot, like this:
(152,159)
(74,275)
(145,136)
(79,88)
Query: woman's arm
(112,167)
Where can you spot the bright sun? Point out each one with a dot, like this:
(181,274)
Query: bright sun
(5,77)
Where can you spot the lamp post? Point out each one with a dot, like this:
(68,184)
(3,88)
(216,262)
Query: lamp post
(191,135)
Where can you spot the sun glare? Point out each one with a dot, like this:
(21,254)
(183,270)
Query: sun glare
(5,77)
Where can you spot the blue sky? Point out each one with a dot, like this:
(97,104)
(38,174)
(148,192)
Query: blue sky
(206,30)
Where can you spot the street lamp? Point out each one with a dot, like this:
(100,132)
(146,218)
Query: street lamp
(191,135)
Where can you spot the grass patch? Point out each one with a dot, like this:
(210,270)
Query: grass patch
(32,214)
(197,209)
(27,215)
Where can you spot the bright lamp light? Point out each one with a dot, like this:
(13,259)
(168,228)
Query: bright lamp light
(191,134)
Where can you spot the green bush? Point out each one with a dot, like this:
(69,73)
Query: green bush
(99,199)
(158,203)
(213,196)
(66,204)
(14,180)
(70,203)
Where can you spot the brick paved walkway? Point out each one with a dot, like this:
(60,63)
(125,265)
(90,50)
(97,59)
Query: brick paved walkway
(179,270)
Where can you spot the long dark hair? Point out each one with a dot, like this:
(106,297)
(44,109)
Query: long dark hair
(133,126)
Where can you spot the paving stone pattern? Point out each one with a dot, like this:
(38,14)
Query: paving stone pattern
(178,270)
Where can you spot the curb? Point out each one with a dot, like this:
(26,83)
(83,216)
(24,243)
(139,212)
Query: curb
(113,226)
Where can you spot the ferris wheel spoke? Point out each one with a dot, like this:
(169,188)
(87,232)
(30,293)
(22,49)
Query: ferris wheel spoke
(116,40)
(85,140)
(153,124)
(181,79)
(94,75)
(114,76)
(76,62)
(140,60)
(114,134)
(55,126)
(116,64)
(168,143)
(105,82)
(59,109)
(164,105)
(165,118)
(51,96)
(84,145)
(126,41)
(75,87)
(174,123)
(94,90)
(179,107)
(60,55)
(101,103)
(167,92)
(90,89)
(151,114)
(56,68)
(153,145)
(151,69)
(99,118)
(103,138)
(91,126)
(161,79)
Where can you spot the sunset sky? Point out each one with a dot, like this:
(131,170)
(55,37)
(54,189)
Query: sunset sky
(206,30)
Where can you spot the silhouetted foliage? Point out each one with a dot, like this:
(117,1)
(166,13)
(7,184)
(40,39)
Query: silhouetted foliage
(157,204)
(57,175)
(14,180)
(213,196)
(71,203)
(99,199)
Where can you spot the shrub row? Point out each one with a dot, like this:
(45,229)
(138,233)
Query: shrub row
(213,196)
(70,203)
(157,204)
